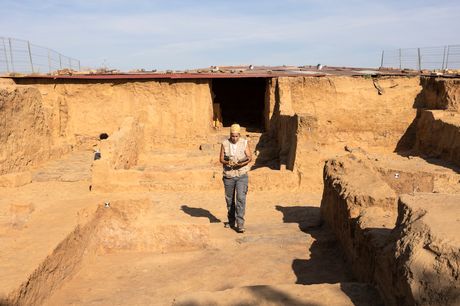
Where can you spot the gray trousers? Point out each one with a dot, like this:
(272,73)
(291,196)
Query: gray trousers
(236,189)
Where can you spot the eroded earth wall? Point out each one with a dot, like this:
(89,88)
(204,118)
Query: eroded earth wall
(360,209)
(438,123)
(315,118)
(426,252)
(355,111)
(440,93)
(312,118)
(170,110)
(25,128)
(405,244)
(438,135)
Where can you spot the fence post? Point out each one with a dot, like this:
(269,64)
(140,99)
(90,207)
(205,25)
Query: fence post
(400,66)
(443,58)
(419,60)
(30,56)
(6,57)
(79,67)
(447,57)
(381,60)
(49,61)
(60,61)
(11,55)
(70,63)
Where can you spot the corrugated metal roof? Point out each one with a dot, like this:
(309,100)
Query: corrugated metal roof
(129,76)
(220,72)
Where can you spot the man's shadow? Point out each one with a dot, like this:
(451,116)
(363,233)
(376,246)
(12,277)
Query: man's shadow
(199,212)
(326,262)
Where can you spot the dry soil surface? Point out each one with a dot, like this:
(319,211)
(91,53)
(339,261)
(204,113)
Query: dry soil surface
(285,245)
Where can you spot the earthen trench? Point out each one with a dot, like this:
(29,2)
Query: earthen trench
(297,123)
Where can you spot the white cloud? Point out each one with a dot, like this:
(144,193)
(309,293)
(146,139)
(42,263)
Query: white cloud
(351,33)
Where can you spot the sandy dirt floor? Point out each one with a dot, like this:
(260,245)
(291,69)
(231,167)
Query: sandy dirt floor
(284,243)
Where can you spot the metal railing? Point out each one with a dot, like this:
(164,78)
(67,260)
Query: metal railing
(20,56)
(428,58)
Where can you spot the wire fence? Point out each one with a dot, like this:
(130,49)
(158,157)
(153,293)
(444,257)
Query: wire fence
(428,58)
(20,56)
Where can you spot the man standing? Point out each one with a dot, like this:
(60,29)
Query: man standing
(235,156)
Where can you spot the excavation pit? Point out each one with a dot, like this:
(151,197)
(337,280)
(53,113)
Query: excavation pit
(389,153)
(371,201)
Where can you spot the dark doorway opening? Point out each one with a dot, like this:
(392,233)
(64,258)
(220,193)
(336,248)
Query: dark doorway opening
(242,101)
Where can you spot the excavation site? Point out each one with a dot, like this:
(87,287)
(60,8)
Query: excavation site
(112,193)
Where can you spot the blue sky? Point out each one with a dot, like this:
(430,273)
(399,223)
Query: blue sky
(179,34)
